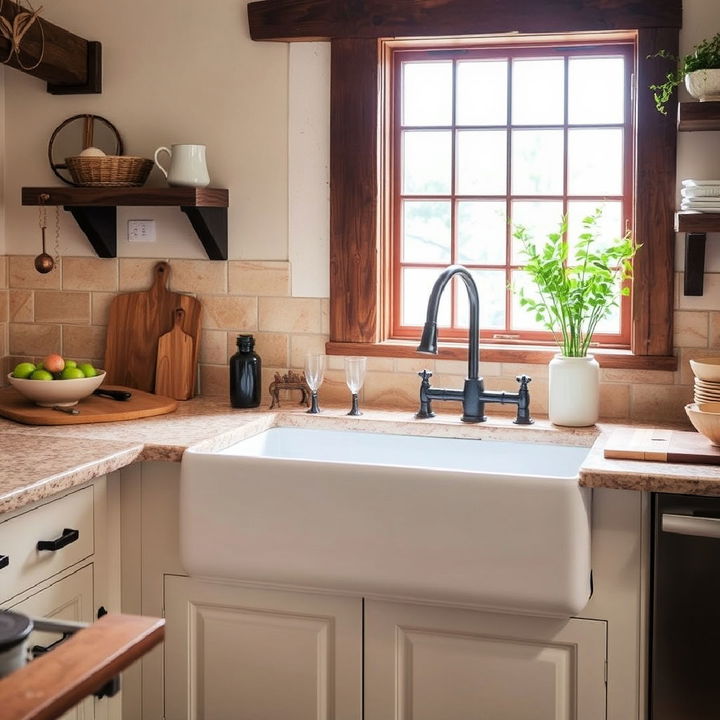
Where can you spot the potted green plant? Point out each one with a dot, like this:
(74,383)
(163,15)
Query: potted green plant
(700,71)
(573,296)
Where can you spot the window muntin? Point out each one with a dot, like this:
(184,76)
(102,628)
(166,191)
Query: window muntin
(556,140)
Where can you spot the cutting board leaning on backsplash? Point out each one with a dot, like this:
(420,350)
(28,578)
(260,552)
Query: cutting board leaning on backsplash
(136,322)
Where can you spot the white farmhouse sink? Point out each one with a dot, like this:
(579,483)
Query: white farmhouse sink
(501,525)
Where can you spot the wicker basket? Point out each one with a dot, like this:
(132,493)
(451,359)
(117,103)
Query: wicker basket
(109,170)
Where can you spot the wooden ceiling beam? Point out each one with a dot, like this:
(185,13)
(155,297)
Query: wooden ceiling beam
(286,20)
(69,63)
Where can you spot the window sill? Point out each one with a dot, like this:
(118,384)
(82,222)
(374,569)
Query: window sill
(607,358)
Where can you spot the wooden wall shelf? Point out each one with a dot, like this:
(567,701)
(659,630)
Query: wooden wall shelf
(693,116)
(696,116)
(95,211)
(695,226)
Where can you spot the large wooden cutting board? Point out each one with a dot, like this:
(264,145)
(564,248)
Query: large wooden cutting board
(136,322)
(93,409)
(673,446)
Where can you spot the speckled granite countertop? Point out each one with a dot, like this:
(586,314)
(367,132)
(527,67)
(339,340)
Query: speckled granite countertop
(38,461)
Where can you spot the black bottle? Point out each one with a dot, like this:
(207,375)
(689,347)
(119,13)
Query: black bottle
(245,374)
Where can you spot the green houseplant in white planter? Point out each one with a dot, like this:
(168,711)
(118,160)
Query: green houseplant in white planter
(699,70)
(573,296)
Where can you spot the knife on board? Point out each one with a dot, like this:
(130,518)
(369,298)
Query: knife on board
(114,394)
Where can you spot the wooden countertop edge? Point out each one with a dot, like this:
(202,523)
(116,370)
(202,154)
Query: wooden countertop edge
(52,684)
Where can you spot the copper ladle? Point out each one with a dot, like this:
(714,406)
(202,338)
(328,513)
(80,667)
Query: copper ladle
(44,262)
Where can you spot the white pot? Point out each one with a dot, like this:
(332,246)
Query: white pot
(574,391)
(704,84)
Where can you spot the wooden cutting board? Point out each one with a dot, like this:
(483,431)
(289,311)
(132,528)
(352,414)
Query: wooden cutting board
(673,446)
(94,409)
(174,372)
(136,322)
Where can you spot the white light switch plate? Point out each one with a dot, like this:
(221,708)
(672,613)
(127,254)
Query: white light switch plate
(141,231)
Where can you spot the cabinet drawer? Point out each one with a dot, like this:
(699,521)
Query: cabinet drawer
(19,537)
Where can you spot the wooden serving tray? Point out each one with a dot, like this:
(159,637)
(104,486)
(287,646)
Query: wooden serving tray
(673,446)
(94,409)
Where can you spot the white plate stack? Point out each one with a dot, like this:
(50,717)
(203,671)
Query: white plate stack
(706,391)
(707,379)
(700,195)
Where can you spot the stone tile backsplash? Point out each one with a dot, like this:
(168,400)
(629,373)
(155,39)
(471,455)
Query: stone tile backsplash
(67,311)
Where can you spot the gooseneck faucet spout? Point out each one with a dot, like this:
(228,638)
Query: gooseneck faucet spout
(473,395)
(428,341)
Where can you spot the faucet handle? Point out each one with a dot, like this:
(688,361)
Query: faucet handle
(425,375)
(523,403)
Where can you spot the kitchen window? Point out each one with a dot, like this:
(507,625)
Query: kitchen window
(361,278)
(487,136)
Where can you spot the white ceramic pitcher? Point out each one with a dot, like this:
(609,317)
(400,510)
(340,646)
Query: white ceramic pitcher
(187,165)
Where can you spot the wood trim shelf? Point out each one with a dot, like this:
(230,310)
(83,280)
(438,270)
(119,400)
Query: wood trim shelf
(94,210)
(695,225)
(693,116)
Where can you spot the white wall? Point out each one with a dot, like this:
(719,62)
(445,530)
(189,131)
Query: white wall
(174,71)
(184,71)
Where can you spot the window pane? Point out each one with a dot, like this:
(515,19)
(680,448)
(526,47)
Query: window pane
(426,232)
(521,318)
(537,162)
(540,218)
(596,90)
(595,162)
(482,92)
(538,91)
(611,324)
(481,230)
(427,162)
(481,162)
(491,289)
(427,93)
(610,225)
(416,286)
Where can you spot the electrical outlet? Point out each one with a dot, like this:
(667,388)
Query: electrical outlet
(141,231)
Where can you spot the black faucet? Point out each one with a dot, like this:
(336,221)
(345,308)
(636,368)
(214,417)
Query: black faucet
(473,395)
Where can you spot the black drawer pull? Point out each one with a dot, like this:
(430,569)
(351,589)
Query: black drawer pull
(4,561)
(68,536)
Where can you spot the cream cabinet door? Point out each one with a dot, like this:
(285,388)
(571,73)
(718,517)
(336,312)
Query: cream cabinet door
(68,599)
(426,663)
(239,652)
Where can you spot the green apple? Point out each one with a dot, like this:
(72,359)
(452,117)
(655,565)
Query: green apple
(41,375)
(87,369)
(72,373)
(24,370)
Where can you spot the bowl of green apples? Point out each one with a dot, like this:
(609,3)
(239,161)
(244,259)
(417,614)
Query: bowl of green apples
(56,381)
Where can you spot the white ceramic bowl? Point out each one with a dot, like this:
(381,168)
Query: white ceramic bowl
(705,418)
(65,393)
(707,369)
(704,84)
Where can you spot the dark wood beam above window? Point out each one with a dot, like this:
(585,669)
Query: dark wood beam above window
(69,64)
(326,19)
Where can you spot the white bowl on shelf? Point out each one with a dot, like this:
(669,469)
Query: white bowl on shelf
(707,369)
(64,393)
(705,418)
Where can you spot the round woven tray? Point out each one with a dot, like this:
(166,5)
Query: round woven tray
(109,170)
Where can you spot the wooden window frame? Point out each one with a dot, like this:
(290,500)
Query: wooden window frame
(358,273)
(519,47)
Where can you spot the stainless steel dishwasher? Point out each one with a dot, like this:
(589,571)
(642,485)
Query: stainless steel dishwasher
(685,639)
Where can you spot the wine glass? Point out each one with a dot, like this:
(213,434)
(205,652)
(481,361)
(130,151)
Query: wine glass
(354,377)
(314,375)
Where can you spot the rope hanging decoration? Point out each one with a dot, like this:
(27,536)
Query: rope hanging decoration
(16,30)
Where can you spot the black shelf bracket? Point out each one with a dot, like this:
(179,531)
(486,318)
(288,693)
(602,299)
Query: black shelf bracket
(694,263)
(211,226)
(99,223)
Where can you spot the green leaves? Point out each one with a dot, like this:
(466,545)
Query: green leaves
(575,296)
